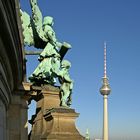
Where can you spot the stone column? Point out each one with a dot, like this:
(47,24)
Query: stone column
(17,119)
(13,118)
(24,119)
(2,121)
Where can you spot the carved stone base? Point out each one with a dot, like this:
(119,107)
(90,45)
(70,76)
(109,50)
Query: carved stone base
(56,124)
(52,122)
(62,126)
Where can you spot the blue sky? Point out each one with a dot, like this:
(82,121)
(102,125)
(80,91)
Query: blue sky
(86,24)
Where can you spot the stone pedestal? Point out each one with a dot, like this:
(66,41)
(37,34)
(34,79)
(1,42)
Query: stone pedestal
(62,126)
(52,122)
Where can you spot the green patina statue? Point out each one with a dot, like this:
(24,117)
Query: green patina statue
(66,83)
(38,32)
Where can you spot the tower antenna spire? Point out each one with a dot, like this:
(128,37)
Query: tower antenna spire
(105,75)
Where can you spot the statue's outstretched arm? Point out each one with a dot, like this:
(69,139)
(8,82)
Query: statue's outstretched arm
(36,13)
(37,19)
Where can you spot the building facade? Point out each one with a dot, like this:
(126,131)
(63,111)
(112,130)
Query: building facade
(13,105)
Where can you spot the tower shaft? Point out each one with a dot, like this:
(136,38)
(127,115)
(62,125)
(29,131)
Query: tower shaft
(105,118)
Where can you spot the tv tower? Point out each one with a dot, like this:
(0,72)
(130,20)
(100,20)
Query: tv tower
(105,91)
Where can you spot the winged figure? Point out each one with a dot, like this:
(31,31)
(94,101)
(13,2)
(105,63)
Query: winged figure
(38,32)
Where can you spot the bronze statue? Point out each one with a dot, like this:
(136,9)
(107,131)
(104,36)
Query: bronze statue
(38,32)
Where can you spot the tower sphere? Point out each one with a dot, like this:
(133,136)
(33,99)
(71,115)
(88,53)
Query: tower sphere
(105,89)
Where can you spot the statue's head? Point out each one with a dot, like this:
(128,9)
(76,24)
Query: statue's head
(48,21)
(65,64)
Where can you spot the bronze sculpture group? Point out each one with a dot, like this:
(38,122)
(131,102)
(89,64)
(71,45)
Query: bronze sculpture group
(38,32)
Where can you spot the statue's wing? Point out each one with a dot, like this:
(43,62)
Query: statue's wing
(27,29)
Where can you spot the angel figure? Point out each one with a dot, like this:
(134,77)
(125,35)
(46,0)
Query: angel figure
(66,84)
(38,32)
